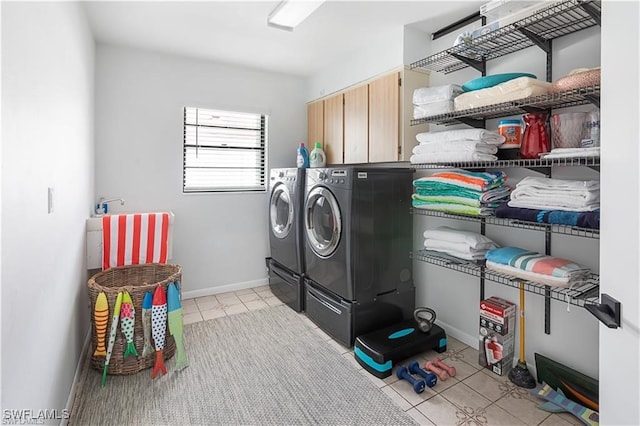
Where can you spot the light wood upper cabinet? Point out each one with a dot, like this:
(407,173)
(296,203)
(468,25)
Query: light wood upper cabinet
(315,123)
(356,125)
(384,113)
(333,129)
(368,123)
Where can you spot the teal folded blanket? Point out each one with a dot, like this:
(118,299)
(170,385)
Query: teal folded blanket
(446,193)
(419,203)
(452,199)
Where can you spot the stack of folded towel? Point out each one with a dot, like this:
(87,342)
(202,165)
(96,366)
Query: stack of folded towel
(556,194)
(536,267)
(461,191)
(461,244)
(456,145)
(436,100)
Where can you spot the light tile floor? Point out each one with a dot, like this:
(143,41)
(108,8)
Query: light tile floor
(475,396)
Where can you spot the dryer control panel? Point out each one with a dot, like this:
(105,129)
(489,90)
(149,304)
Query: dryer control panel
(331,177)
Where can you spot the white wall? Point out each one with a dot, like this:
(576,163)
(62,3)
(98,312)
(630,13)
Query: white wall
(620,274)
(47,141)
(383,55)
(221,240)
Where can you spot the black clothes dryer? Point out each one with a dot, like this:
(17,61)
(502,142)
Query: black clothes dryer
(286,239)
(358,231)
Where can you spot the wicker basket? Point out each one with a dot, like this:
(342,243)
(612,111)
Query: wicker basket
(137,280)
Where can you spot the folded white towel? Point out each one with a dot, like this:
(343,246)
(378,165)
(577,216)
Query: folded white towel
(482,135)
(556,194)
(554,183)
(455,146)
(559,203)
(434,108)
(425,95)
(445,233)
(572,152)
(466,254)
(448,246)
(443,157)
(575,196)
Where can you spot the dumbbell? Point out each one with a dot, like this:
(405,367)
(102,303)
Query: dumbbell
(430,378)
(432,367)
(449,369)
(403,374)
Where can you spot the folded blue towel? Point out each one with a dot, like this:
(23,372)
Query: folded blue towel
(590,219)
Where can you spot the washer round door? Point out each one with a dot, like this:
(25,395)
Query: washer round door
(323,222)
(281,211)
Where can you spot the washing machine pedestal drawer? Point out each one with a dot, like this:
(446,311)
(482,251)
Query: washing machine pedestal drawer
(344,320)
(286,285)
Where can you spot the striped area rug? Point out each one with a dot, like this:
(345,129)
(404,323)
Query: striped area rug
(265,367)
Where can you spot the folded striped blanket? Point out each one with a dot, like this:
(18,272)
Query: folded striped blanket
(448,193)
(452,199)
(478,181)
(537,267)
(451,207)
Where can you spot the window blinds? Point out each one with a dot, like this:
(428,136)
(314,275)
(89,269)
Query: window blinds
(223,151)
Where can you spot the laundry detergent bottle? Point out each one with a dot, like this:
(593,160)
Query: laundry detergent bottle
(317,157)
(303,157)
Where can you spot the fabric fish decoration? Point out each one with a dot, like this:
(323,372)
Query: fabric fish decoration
(112,335)
(146,323)
(100,319)
(128,315)
(584,414)
(159,328)
(175,324)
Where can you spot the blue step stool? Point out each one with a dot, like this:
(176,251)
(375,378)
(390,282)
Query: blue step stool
(378,351)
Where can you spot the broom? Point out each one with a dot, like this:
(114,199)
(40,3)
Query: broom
(520,375)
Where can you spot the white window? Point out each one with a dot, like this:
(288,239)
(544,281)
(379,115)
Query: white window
(223,151)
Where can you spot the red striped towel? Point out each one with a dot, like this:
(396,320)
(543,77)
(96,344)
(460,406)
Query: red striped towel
(134,239)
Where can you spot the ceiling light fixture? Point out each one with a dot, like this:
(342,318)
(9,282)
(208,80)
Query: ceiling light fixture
(290,13)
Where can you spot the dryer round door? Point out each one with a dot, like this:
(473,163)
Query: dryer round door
(281,211)
(323,222)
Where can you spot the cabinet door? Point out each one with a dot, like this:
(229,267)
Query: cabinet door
(333,129)
(356,125)
(315,123)
(384,112)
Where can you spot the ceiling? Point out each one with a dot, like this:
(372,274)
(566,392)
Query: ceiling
(236,31)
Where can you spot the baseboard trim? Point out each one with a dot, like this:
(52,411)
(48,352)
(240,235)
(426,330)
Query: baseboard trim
(458,334)
(224,288)
(79,368)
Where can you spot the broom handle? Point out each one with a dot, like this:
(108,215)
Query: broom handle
(521,322)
